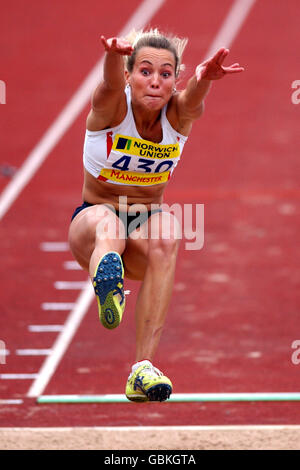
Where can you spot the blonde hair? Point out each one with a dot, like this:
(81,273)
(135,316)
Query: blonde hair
(154,38)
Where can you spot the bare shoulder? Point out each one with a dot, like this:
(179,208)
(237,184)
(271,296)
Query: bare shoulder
(178,119)
(108,109)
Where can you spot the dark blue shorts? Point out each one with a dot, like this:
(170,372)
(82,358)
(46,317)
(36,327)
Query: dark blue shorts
(131,222)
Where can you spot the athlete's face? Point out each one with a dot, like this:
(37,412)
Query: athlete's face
(152,79)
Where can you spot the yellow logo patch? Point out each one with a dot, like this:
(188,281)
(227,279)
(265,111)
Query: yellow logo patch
(144,148)
(132,177)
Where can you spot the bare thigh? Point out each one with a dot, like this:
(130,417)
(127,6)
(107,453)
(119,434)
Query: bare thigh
(95,224)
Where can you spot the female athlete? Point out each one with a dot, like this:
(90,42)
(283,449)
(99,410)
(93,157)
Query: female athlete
(136,130)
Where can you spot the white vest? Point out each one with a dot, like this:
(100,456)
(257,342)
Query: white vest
(119,155)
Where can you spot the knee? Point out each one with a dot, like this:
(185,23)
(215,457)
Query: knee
(165,237)
(163,251)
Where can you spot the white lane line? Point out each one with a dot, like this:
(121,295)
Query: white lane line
(45,328)
(246,427)
(33,352)
(137,21)
(18,376)
(57,306)
(4,352)
(72,266)
(231,26)
(11,401)
(54,246)
(63,340)
(69,285)
(59,127)
(139,429)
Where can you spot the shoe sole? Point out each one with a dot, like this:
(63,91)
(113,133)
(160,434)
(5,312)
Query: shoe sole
(108,274)
(137,398)
(159,392)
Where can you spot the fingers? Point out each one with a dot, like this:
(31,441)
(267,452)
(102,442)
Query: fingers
(234,68)
(104,42)
(220,56)
(118,45)
(199,72)
(109,44)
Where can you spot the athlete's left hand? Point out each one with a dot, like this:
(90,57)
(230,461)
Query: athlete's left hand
(212,69)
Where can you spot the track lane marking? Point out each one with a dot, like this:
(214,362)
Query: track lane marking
(237,427)
(57,306)
(54,246)
(69,285)
(62,342)
(231,25)
(18,376)
(11,401)
(72,266)
(33,352)
(45,328)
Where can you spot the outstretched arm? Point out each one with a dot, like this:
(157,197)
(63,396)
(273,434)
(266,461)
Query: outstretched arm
(108,94)
(190,100)
(113,68)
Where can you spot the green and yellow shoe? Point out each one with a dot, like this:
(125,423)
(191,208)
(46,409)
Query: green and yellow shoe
(108,284)
(147,383)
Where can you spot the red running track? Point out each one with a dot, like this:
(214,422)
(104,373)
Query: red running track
(234,313)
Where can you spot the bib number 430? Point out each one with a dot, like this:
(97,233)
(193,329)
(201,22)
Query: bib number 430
(148,166)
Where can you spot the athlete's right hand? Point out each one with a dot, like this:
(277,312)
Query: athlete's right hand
(119,45)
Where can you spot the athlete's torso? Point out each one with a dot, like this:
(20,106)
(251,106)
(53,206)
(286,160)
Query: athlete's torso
(119,161)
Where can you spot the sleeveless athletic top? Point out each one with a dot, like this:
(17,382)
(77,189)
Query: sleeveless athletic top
(119,155)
